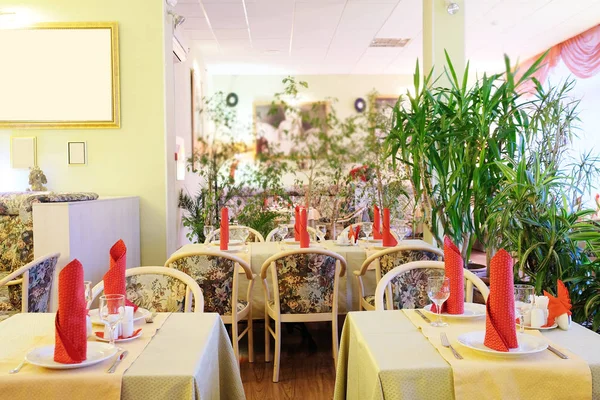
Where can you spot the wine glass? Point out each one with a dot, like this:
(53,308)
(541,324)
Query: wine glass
(244,233)
(402,231)
(322,229)
(112,309)
(438,290)
(523,303)
(208,230)
(283,231)
(367,228)
(87,287)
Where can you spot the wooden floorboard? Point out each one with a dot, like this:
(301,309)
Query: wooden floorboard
(307,370)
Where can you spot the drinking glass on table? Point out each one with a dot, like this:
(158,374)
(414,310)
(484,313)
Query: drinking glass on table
(367,228)
(208,230)
(112,310)
(438,290)
(402,230)
(283,231)
(244,233)
(523,303)
(322,229)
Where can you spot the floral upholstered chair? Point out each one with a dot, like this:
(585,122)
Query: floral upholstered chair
(217,273)
(159,289)
(28,288)
(399,297)
(411,285)
(305,288)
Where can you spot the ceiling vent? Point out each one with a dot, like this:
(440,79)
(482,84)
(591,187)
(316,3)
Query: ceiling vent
(389,42)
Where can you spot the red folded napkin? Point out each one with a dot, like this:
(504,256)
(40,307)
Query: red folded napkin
(454,267)
(500,327)
(376,224)
(350,233)
(101,334)
(388,239)
(559,305)
(114,280)
(224,239)
(356,233)
(70,322)
(297,224)
(304,236)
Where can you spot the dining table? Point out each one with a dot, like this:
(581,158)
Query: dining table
(256,253)
(396,354)
(178,356)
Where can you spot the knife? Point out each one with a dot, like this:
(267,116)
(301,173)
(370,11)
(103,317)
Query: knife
(120,358)
(558,352)
(423,316)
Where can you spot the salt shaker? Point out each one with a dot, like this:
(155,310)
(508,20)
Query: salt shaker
(127,322)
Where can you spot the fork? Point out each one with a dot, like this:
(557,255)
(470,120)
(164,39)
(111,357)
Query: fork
(18,368)
(446,343)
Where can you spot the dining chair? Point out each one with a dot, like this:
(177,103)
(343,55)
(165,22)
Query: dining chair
(255,236)
(159,289)
(33,296)
(305,289)
(386,260)
(349,217)
(217,273)
(406,285)
(314,234)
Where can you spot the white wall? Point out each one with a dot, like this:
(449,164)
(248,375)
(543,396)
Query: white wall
(588,91)
(183,129)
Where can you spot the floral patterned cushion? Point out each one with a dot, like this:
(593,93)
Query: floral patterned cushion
(40,283)
(410,288)
(16,242)
(214,276)
(306,283)
(157,293)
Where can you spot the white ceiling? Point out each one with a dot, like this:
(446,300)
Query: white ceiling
(332,36)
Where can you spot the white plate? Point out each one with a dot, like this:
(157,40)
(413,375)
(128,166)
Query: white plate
(96,353)
(472,310)
(528,344)
(141,313)
(343,244)
(290,241)
(543,328)
(231,243)
(102,339)
(372,240)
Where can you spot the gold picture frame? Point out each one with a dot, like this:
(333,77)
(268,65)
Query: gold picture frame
(60,123)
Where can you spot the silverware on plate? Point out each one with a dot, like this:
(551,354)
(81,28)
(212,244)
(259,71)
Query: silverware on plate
(423,316)
(446,343)
(118,360)
(18,368)
(558,352)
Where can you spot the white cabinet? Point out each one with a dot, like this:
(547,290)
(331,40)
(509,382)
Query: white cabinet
(86,230)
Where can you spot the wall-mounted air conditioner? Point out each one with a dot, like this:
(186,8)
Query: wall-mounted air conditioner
(180,47)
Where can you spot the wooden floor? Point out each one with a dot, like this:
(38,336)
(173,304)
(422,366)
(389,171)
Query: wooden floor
(307,370)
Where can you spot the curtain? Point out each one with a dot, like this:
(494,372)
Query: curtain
(581,54)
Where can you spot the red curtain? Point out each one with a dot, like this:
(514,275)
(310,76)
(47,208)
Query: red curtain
(581,54)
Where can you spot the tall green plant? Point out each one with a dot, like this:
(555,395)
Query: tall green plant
(449,139)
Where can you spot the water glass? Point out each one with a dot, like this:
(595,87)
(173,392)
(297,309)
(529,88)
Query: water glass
(283,231)
(367,228)
(438,290)
(112,310)
(244,233)
(208,230)
(322,229)
(524,295)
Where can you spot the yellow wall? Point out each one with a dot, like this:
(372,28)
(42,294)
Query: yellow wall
(126,161)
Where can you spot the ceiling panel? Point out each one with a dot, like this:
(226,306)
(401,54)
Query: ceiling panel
(226,15)
(333,36)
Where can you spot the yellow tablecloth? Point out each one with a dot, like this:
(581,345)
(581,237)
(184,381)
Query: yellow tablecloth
(384,356)
(23,332)
(537,376)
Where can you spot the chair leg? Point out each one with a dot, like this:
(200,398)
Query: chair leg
(267,338)
(334,338)
(277,351)
(250,338)
(236,340)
